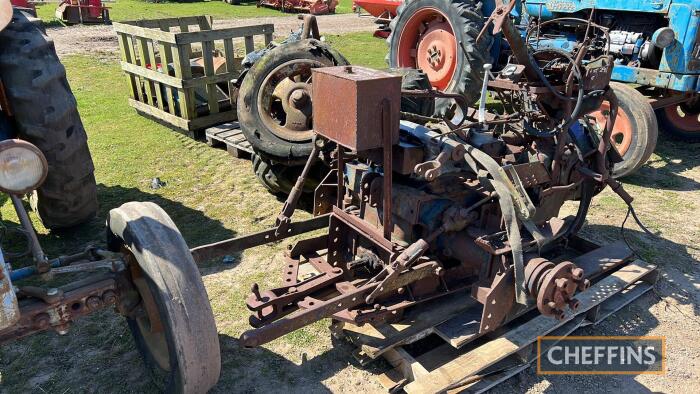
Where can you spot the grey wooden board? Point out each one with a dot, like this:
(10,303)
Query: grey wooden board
(231,136)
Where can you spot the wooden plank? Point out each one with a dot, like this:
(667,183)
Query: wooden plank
(603,259)
(145,60)
(473,362)
(619,301)
(208,58)
(154,66)
(166,57)
(134,60)
(514,364)
(418,323)
(409,367)
(183,71)
(230,56)
(127,59)
(203,122)
(249,44)
(461,329)
(268,38)
(174,120)
(143,32)
(220,34)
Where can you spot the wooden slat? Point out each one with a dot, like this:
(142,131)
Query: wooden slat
(208,58)
(149,33)
(183,72)
(268,38)
(126,58)
(477,360)
(249,44)
(220,34)
(154,66)
(157,113)
(145,60)
(166,57)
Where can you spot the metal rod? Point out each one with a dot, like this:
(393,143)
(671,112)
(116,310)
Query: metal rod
(37,252)
(388,170)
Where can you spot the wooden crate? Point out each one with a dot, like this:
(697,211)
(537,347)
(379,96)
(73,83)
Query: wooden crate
(178,97)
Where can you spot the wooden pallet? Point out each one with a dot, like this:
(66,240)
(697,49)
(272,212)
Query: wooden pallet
(230,136)
(437,347)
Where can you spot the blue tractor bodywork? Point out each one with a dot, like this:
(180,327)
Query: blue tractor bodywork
(676,67)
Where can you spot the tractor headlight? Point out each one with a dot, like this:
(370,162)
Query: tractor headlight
(663,38)
(22,167)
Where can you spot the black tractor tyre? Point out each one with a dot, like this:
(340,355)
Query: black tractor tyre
(412,79)
(45,114)
(636,114)
(279,178)
(174,330)
(681,121)
(467,20)
(264,140)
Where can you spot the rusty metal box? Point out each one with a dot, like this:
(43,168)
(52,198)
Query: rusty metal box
(348,105)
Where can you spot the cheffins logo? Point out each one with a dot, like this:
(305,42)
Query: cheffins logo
(601,355)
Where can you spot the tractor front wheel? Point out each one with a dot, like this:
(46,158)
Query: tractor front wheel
(682,120)
(636,130)
(173,324)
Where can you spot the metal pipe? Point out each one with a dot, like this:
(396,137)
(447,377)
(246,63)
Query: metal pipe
(37,253)
(388,168)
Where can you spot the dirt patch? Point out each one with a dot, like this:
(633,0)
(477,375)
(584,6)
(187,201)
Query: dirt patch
(100,40)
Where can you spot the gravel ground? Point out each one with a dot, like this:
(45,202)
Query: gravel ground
(100,39)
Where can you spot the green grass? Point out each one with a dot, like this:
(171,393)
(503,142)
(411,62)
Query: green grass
(360,48)
(122,10)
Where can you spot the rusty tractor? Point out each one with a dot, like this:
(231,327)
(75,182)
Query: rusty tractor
(418,208)
(146,274)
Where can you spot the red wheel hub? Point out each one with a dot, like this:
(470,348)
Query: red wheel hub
(428,42)
(684,116)
(622,132)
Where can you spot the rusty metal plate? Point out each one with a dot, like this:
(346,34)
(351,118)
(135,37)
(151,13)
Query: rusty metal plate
(357,93)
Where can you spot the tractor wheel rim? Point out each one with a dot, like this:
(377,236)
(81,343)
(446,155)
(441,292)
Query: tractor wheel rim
(284,100)
(428,42)
(622,133)
(685,116)
(149,323)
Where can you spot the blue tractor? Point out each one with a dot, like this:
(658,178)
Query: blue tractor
(655,46)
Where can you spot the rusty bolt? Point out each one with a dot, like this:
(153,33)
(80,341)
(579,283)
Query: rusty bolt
(401,290)
(93,302)
(377,307)
(584,284)
(561,283)
(109,297)
(552,304)
(42,321)
(299,97)
(573,304)
(439,271)
(577,273)
(348,69)
(292,290)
